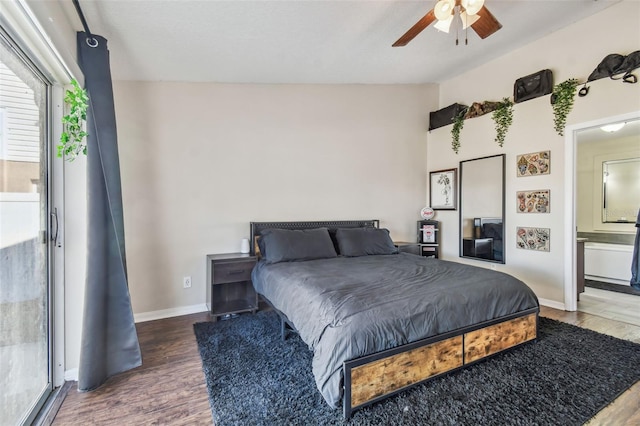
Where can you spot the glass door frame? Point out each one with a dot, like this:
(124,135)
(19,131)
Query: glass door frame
(44,234)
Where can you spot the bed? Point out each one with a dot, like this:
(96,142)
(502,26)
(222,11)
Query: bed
(379,321)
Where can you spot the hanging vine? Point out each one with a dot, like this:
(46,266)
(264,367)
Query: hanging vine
(458,124)
(562,100)
(73,137)
(503,117)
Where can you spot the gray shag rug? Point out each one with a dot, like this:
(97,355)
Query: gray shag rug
(564,378)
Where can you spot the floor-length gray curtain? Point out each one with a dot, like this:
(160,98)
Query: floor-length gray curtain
(109,340)
(635,263)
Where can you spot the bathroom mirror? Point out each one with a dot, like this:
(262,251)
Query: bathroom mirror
(482,183)
(620,190)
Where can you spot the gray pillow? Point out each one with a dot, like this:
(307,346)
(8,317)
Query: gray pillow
(492,230)
(364,241)
(285,245)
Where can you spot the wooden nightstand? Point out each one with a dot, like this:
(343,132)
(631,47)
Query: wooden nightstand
(229,288)
(478,247)
(406,247)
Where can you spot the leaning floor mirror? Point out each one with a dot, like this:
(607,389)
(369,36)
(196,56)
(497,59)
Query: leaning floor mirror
(482,183)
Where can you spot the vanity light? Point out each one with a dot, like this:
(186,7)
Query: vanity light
(612,127)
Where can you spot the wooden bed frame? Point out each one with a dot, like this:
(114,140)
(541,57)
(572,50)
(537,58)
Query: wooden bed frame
(374,377)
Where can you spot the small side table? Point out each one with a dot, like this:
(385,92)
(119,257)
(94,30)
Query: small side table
(405,247)
(229,287)
(478,247)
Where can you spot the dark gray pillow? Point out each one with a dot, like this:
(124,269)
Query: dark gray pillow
(285,245)
(364,241)
(492,230)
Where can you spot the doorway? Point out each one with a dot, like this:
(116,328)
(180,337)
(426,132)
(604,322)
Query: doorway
(574,202)
(25,284)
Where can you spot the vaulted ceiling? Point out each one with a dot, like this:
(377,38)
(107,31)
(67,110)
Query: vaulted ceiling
(307,41)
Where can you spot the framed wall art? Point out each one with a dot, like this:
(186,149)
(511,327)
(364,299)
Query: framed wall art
(537,201)
(442,189)
(533,164)
(538,239)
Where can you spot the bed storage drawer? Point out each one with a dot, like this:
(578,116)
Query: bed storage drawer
(399,370)
(232,271)
(376,376)
(487,341)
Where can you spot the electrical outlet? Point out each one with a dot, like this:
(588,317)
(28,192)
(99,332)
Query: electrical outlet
(186,282)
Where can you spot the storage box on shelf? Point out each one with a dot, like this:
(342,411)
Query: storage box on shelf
(428,238)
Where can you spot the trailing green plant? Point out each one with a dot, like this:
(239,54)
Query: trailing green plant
(562,99)
(458,124)
(503,117)
(73,138)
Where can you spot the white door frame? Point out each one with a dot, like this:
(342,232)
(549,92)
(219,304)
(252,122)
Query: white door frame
(570,235)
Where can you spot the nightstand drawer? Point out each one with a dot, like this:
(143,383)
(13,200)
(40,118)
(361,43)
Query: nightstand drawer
(232,272)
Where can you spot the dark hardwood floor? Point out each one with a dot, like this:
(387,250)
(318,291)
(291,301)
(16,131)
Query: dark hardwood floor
(169,388)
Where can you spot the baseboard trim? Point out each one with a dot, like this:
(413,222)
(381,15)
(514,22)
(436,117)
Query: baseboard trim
(607,280)
(71,375)
(169,313)
(551,304)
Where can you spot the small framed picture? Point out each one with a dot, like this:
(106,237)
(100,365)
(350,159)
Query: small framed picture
(534,164)
(537,239)
(533,201)
(442,189)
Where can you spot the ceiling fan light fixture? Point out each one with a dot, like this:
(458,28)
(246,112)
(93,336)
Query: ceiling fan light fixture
(472,7)
(444,9)
(444,12)
(468,20)
(444,24)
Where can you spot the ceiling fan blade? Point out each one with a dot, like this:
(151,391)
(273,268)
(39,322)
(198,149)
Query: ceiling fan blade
(416,29)
(487,24)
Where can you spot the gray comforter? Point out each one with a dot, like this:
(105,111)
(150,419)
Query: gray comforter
(345,308)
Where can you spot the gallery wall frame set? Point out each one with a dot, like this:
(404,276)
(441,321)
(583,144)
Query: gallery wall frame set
(443,191)
(533,201)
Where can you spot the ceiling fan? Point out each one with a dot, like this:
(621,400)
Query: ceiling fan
(472,14)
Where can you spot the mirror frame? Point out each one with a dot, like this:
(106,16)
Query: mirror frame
(629,218)
(461,208)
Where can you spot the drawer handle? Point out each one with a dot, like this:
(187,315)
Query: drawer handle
(236,272)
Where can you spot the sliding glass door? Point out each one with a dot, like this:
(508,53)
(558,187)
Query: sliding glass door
(25,354)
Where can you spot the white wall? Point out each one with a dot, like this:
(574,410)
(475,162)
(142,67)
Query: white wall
(200,161)
(571,52)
